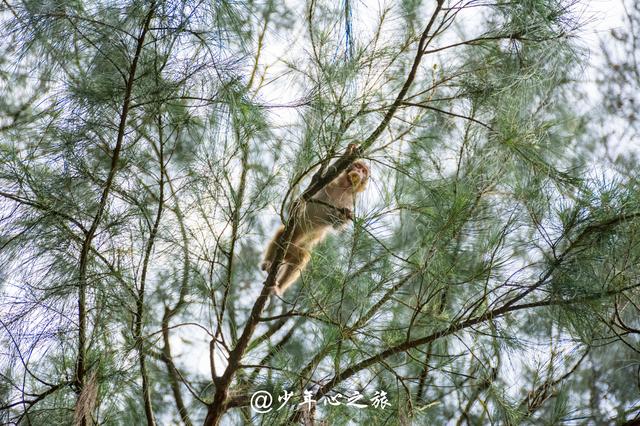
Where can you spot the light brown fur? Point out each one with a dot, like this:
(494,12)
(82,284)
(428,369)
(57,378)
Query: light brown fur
(329,208)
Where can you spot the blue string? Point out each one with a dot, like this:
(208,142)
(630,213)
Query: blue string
(348,53)
(348,42)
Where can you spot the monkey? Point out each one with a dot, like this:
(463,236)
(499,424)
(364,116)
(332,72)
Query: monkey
(329,208)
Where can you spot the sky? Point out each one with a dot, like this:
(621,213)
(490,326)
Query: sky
(602,16)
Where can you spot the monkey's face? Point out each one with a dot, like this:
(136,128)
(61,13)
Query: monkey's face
(358,176)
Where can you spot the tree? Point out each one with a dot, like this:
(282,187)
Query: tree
(149,149)
(619,79)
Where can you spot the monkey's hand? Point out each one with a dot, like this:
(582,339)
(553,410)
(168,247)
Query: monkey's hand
(355,178)
(341,217)
(351,148)
(266,265)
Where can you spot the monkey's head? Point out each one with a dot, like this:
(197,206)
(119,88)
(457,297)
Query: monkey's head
(358,176)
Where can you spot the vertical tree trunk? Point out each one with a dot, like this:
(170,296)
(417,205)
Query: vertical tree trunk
(86,246)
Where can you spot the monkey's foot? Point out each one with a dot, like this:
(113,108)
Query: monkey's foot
(277,291)
(266,265)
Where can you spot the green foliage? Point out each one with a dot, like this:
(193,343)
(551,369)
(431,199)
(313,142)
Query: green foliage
(148,150)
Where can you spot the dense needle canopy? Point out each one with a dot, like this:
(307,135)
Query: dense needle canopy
(149,149)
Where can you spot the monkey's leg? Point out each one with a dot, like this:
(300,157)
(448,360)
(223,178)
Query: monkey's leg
(271,250)
(296,259)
